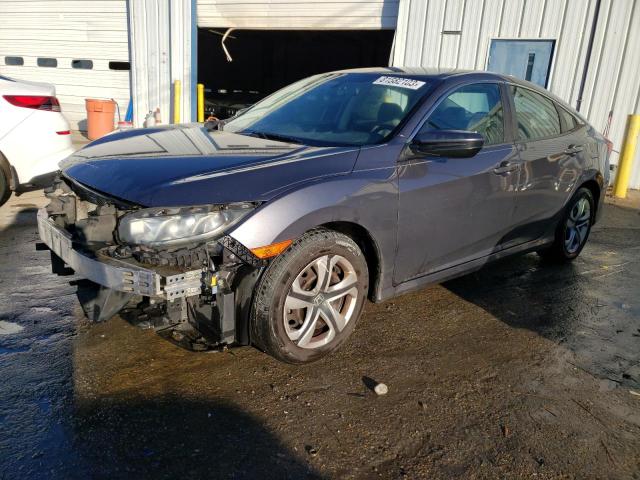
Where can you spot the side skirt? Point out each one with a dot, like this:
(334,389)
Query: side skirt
(461,269)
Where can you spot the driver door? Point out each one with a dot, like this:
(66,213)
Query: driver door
(454,210)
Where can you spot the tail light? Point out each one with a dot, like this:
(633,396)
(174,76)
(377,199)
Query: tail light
(49,104)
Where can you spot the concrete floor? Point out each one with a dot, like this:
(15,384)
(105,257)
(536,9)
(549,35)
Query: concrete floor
(520,370)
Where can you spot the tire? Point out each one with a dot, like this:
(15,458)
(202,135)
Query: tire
(573,229)
(5,191)
(298,316)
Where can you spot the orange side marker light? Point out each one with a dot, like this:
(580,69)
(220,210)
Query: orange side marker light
(271,250)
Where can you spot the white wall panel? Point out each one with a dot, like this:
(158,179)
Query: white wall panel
(511,17)
(489,27)
(531,23)
(150,61)
(433,33)
(452,24)
(68,30)
(471,23)
(612,82)
(161,52)
(298,14)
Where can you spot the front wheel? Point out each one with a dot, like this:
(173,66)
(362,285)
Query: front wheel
(310,298)
(574,228)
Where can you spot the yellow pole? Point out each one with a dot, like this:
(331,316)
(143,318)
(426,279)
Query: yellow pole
(177,97)
(627,155)
(200,103)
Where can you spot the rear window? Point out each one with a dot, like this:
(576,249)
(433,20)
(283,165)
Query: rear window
(536,115)
(569,122)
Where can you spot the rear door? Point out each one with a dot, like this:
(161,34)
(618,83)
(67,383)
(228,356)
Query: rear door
(453,210)
(550,152)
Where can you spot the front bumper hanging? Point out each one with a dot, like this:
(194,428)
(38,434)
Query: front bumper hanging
(117,274)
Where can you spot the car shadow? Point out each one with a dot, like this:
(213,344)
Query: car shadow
(523,292)
(589,306)
(25,216)
(171,437)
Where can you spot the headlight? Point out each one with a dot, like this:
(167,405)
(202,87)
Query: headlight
(159,227)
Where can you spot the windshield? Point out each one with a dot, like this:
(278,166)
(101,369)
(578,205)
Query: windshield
(333,109)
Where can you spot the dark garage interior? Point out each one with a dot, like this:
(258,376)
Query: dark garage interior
(266,60)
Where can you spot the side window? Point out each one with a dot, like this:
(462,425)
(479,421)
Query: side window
(477,108)
(536,115)
(569,122)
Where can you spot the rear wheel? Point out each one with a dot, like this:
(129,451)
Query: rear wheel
(310,298)
(574,228)
(5,191)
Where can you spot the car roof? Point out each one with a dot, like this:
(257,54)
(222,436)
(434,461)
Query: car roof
(431,73)
(443,74)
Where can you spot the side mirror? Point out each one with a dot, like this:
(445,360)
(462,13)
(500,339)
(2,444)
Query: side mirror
(447,143)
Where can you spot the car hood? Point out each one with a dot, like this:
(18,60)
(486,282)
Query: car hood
(189,165)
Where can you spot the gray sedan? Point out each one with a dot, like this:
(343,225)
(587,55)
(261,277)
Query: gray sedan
(273,228)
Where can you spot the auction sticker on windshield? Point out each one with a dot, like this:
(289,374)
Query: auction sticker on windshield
(399,82)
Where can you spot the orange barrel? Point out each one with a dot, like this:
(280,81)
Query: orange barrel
(100,116)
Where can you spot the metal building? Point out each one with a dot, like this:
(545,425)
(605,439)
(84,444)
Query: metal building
(585,51)
(81,47)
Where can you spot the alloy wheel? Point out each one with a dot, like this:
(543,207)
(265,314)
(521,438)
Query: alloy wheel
(321,301)
(577,226)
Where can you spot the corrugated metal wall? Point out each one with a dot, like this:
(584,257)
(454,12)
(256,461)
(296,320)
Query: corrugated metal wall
(161,52)
(298,14)
(457,34)
(68,30)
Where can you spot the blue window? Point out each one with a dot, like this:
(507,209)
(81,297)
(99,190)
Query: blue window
(526,59)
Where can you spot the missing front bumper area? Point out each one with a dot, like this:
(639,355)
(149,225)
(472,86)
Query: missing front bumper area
(198,305)
(113,273)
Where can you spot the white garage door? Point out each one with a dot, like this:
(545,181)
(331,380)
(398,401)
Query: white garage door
(299,14)
(79,46)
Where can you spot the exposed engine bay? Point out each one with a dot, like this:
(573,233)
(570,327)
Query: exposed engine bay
(196,295)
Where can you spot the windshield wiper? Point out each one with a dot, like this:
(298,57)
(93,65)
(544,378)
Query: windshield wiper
(272,136)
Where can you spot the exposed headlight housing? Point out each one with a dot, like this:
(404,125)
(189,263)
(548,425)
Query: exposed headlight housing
(166,227)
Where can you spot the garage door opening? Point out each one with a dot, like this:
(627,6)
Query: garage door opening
(267,60)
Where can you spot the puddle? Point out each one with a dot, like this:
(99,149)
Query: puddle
(9,351)
(9,328)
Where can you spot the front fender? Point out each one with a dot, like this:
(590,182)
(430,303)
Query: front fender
(366,198)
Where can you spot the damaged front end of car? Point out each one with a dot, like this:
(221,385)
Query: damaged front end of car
(170,269)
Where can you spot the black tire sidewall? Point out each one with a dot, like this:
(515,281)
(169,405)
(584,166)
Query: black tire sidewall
(281,275)
(581,193)
(5,191)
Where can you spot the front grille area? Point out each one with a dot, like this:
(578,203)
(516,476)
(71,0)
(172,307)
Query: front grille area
(90,219)
(96,197)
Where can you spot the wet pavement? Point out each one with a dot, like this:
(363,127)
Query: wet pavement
(522,369)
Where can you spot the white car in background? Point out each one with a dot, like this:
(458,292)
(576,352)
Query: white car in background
(34,135)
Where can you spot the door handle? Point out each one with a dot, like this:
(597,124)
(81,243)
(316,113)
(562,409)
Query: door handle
(573,149)
(505,167)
